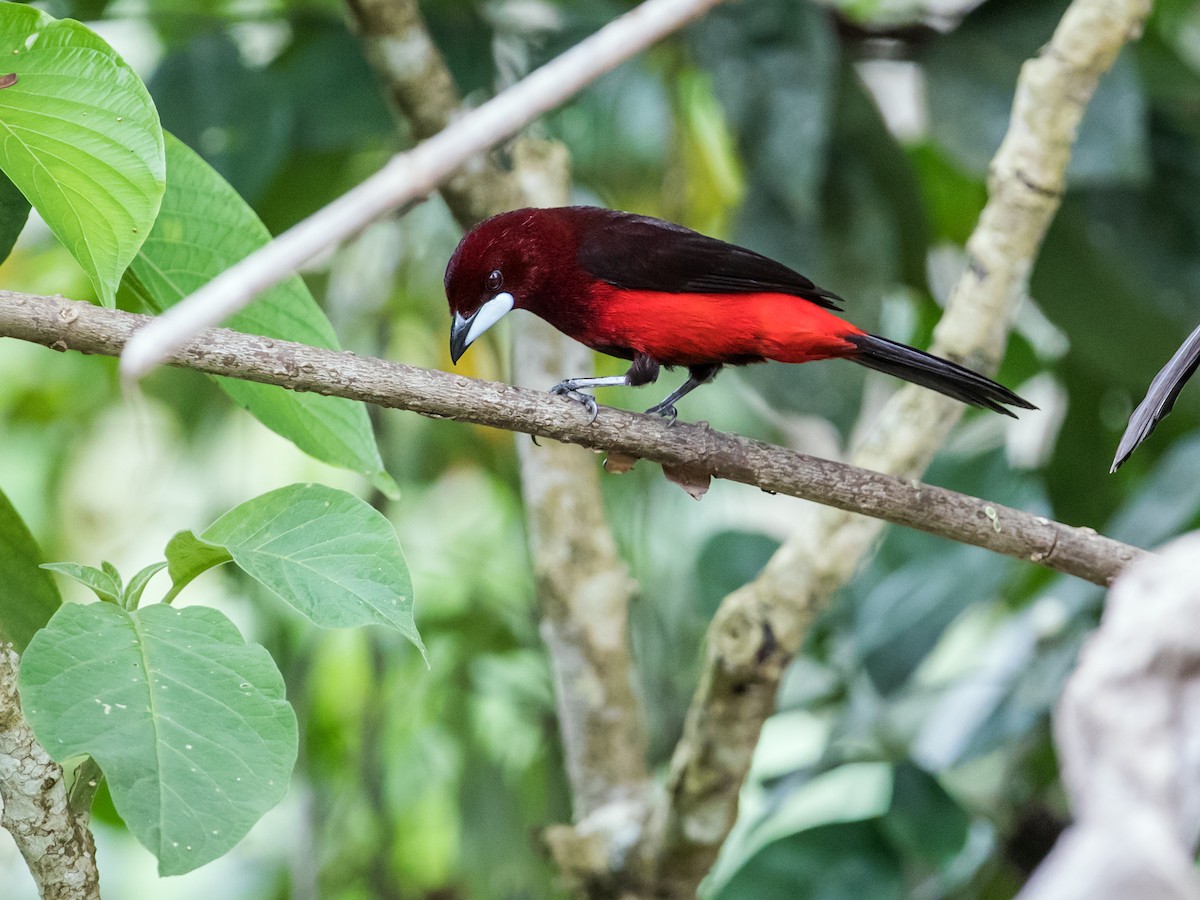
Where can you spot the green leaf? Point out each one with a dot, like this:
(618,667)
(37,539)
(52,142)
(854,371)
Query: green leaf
(728,560)
(204,228)
(834,862)
(14,211)
(103,584)
(111,571)
(187,721)
(28,596)
(325,552)
(81,140)
(854,792)
(846,793)
(132,595)
(925,821)
(187,557)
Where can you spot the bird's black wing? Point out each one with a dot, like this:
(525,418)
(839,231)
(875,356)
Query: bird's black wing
(1160,397)
(643,253)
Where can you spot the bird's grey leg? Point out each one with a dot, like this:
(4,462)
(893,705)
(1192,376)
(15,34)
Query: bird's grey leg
(643,371)
(697,375)
(571,388)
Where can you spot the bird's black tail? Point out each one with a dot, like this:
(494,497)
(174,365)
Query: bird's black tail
(933,372)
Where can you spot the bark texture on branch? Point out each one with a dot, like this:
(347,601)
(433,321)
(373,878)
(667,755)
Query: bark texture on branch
(71,325)
(759,627)
(1127,731)
(583,586)
(56,843)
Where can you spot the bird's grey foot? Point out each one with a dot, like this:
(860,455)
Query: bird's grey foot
(666,410)
(569,388)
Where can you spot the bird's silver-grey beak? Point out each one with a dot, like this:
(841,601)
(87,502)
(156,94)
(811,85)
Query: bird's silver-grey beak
(464,331)
(459,329)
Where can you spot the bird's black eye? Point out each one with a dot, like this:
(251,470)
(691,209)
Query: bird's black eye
(495,280)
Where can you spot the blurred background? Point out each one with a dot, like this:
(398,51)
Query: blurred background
(911,754)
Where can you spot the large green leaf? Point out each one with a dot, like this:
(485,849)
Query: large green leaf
(325,552)
(187,721)
(775,71)
(204,227)
(81,140)
(28,597)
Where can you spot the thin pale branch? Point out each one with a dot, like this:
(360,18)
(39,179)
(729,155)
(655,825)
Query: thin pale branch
(410,175)
(56,842)
(737,689)
(71,325)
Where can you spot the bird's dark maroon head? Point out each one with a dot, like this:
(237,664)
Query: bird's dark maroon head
(488,275)
(507,262)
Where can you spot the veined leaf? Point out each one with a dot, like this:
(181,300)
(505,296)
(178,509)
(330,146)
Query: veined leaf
(187,721)
(80,139)
(327,553)
(102,584)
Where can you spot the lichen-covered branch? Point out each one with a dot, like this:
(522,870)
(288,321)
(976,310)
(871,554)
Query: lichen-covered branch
(584,588)
(759,627)
(56,843)
(585,591)
(1127,731)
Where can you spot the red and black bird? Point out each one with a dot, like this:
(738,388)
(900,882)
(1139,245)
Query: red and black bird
(659,294)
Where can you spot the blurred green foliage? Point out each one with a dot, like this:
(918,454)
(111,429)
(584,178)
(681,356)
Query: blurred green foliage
(925,688)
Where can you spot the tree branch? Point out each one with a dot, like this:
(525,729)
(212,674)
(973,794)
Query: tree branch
(410,175)
(71,325)
(583,586)
(1128,737)
(56,843)
(761,626)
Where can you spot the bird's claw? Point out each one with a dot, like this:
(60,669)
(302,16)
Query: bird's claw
(567,389)
(667,411)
